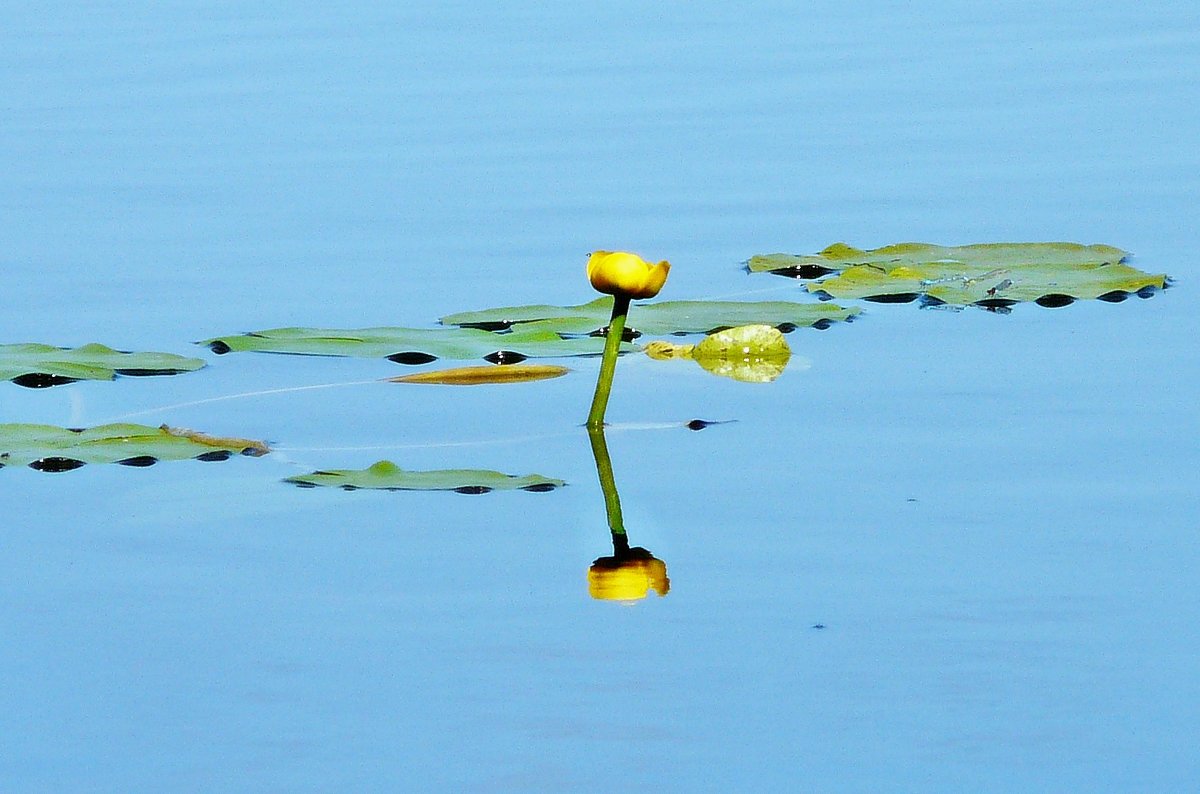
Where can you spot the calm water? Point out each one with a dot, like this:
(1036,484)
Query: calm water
(992,516)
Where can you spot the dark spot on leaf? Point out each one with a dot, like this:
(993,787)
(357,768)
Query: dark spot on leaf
(220,454)
(697,424)
(1054,300)
(303,484)
(1147,291)
(818,625)
(505,357)
(349,487)
(488,326)
(823,324)
(807,272)
(41,380)
(412,357)
(472,489)
(540,487)
(898,297)
(140,461)
(254,452)
(803,271)
(136,373)
(219,347)
(627,335)
(56,464)
(995,303)
(786,328)
(1116,296)
(822,295)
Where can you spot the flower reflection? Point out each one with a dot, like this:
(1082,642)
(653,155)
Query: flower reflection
(628,578)
(630,573)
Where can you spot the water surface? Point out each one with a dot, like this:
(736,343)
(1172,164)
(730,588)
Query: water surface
(992,516)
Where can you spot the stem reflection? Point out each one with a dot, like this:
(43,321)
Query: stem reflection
(631,572)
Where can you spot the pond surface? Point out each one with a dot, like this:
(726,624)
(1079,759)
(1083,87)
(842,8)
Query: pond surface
(991,516)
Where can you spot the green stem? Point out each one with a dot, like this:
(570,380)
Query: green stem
(608,366)
(612,501)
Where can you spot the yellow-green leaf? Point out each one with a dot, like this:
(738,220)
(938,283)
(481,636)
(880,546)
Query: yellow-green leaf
(749,353)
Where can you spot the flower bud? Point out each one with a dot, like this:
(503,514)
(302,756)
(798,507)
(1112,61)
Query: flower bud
(622,273)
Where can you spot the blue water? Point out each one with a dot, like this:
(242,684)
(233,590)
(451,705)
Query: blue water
(993,516)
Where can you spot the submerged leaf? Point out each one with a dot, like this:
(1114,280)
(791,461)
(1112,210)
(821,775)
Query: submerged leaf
(38,366)
(409,345)
(748,353)
(991,274)
(661,350)
(477,376)
(387,476)
(666,317)
(52,448)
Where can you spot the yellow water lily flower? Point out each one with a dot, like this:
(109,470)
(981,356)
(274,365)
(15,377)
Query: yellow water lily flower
(622,273)
(613,579)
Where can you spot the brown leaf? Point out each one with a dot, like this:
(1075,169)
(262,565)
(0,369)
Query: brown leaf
(475,376)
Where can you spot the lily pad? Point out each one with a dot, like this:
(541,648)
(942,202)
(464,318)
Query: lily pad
(387,476)
(991,274)
(840,256)
(952,284)
(478,376)
(38,366)
(655,319)
(749,353)
(52,448)
(409,345)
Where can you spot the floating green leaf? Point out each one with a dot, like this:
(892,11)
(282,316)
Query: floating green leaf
(656,319)
(748,353)
(1049,285)
(387,476)
(409,345)
(478,376)
(840,256)
(51,448)
(38,366)
(989,274)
